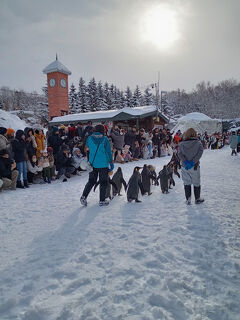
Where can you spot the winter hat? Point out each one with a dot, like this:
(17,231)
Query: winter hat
(10,131)
(54,130)
(75,149)
(19,134)
(3,130)
(100,128)
(65,147)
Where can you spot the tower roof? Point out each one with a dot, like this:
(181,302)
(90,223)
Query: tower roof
(56,66)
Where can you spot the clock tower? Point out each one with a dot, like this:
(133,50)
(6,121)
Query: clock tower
(57,80)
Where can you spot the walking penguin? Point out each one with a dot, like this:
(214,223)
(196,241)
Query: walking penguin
(119,181)
(133,186)
(164,179)
(146,180)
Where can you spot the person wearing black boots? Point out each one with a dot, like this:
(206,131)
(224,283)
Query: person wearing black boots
(20,154)
(190,152)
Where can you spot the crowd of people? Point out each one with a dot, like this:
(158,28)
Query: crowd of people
(30,156)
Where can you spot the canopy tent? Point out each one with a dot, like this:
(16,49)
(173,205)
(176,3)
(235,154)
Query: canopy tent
(110,115)
(198,121)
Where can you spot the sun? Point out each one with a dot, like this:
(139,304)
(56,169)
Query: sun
(159,26)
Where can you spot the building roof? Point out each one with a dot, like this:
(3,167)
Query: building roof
(56,66)
(110,115)
(196,116)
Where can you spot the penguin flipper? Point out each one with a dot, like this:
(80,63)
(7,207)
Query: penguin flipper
(96,185)
(124,183)
(113,184)
(141,187)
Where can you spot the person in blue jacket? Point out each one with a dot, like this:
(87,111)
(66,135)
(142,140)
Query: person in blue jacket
(100,157)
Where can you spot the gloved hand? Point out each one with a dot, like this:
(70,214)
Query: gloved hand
(111,167)
(188,164)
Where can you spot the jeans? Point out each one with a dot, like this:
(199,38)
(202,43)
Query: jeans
(22,170)
(103,179)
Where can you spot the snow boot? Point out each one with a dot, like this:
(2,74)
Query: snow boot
(187,189)
(19,185)
(83,201)
(103,203)
(49,180)
(197,191)
(25,182)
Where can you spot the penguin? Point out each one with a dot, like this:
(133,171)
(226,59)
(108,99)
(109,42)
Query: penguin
(171,181)
(154,175)
(119,181)
(146,180)
(110,190)
(133,186)
(164,177)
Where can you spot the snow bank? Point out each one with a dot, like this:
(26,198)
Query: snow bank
(9,120)
(198,121)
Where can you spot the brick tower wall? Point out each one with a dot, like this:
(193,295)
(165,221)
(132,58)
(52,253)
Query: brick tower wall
(58,101)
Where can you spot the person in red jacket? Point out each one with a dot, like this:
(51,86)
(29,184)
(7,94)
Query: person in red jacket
(71,132)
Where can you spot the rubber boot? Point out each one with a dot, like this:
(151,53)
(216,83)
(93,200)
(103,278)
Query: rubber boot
(25,182)
(197,192)
(187,189)
(19,185)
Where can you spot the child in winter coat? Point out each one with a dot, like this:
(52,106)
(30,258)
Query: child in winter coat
(51,162)
(33,169)
(46,167)
(150,149)
(76,160)
(40,141)
(126,153)
(164,149)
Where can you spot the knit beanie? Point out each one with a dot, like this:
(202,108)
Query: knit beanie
(100,128)
(10,131)
(3,130)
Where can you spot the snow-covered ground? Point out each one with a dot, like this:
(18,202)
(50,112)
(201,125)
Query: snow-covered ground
(158,259)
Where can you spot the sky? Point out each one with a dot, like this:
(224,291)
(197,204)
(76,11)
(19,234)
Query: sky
(124,42)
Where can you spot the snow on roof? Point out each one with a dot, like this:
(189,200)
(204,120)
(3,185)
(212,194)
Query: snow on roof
(56,66)
(9,120)
(137,111)
(197,116)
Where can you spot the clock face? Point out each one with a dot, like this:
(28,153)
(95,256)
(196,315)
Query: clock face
(63,83)
(52,82)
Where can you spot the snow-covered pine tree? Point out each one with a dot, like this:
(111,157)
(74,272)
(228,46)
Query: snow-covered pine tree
(107,96)
(92,95)
(117,98)
(129,98)
(122,100)
(147,97)
(101,97)
(137,97)
(82,97)
(112,97)
(72,99)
